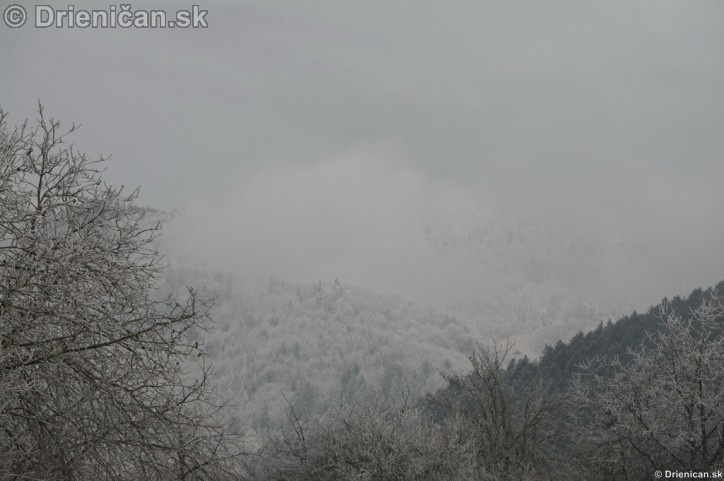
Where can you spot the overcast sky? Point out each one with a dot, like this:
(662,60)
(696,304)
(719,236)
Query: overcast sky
(594,116)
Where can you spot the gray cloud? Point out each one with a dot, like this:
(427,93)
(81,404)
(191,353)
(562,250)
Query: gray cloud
(581,116)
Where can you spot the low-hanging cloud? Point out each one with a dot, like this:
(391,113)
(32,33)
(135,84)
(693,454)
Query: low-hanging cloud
(369,218)
(359,217)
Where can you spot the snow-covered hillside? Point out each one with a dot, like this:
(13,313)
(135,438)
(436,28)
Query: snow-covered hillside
(313,342)
(481,277)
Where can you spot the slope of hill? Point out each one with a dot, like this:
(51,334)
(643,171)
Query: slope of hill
(312,342)
(559,362)
(481,277)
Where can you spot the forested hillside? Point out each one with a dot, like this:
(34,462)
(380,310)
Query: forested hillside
(559,362)
(600,407)
(314,342)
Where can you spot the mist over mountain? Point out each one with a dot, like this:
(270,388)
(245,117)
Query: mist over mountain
(359,276)
(371,220)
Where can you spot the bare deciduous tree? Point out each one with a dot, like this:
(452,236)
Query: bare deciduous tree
(373,438)
(94,376)
(663,409)
(512,430)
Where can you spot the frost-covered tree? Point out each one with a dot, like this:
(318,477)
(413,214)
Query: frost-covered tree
(95,379)
(663,408)
(512,428)
(373,438)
